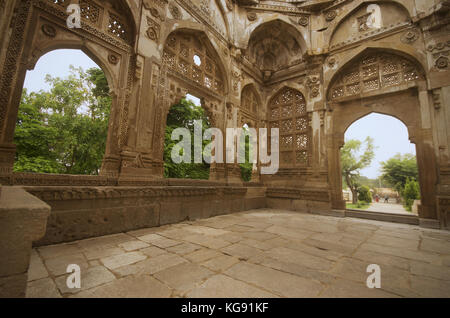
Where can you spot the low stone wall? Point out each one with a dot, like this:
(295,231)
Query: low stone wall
(301,200)
(23,219)
(84,212)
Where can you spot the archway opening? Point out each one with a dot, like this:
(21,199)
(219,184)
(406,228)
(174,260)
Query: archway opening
(246,147)
(63,116)
(187,114)
(379,166)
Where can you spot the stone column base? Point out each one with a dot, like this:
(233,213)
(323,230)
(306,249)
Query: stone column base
(430,224)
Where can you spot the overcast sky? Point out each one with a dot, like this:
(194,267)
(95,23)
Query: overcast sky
(390,135)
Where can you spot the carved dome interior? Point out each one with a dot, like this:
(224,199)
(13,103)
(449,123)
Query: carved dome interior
(274,46)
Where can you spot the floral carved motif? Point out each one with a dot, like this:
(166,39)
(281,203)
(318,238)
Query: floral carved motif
(49,30)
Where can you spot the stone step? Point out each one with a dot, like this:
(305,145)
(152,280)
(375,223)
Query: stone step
(386,217)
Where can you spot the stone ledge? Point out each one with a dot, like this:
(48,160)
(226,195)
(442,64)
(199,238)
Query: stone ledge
(23,219)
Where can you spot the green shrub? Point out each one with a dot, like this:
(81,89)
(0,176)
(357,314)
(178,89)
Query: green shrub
(364,194)
(411,193)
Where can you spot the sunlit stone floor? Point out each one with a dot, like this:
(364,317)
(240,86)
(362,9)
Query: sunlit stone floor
(259,253)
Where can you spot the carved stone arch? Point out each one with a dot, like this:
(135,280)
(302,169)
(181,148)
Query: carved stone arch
(104,62)
(287,111)
(180,51)
(244,41)
(133,9)
(223,13)
(275,45)
(389,83)
(250,103)
(353,7)
(374,71)
(41,27)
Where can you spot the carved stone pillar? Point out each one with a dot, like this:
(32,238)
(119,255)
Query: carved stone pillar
(426,161)
(335,143)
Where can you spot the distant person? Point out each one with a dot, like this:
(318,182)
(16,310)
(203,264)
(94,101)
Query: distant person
(377,198)
(386,199)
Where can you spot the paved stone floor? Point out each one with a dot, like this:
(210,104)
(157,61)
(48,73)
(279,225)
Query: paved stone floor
(259,253)
(388,208)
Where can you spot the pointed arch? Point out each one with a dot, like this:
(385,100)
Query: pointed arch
(274,45)
(250,99)
(189,55)
(352,8)
(373,72)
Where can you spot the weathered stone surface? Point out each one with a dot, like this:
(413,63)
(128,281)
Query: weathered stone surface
(332,263)
(184,277)
(142,286)
(151,266)
(275,281)
(91,277)
(58,266)
(23,220)
(348,289)
(220,263)
(221,286)
(37,269)
(43,288)
(95,253)
(133,245)
(120,260)
(202,255)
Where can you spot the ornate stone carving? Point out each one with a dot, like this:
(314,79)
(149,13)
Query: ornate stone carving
(331,61)
(153,29)
(175,11)
(437,98)
(442,62)
(113,59)
(250,101)
(330,15)
(372,72)
(313,84)
(303,21)
(205,7)
(288,113)
(362,22)
(410,36)
(187,57)
(49,30)
(229,4)
(252,16)
(440,53)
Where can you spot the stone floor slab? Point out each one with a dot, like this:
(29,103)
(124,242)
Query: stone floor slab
(259,253)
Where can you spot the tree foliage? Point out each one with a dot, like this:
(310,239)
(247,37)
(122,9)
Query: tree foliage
(247,166)
(411,193)
(183,115)
(364,194)
(353,162)
(397,170)
(64,130)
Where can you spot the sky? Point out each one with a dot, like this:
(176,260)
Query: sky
(390,134)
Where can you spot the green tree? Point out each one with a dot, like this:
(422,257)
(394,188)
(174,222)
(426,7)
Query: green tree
(364,194)
(247,167)
(411,193)
(397,170)
(352,162)
(183,115)
(64,130)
